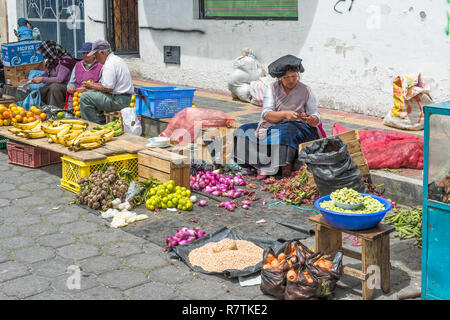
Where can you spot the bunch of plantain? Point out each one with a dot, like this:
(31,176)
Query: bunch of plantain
(31,130)
(64,131)
(115,125)
(90,140)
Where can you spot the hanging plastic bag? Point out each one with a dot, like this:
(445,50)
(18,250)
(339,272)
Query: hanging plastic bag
(328,277)
(33,99)
(305,286)
(131,123)
(332,166)
(410,96)
(186,125)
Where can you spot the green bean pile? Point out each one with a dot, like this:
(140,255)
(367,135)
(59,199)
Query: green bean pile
(369,205)
(408,224)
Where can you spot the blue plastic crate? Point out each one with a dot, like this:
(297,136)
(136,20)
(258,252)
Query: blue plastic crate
(163,102)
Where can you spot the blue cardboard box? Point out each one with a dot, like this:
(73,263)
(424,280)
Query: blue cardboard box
(20,53)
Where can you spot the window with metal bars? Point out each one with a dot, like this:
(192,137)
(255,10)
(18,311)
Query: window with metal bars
(123,26)
(249,9)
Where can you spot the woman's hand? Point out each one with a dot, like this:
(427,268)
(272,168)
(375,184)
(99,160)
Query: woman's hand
(81,90)
(290,115)
(37,80)
(309,119)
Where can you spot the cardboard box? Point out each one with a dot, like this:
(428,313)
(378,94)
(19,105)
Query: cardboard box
(21,53)
(13,75)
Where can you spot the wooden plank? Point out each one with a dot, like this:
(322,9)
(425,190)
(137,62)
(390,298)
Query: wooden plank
(152,162)
(351,254)
(177,160)
(354,146)
(346,136)
(148,173)
(354,273)
(368,234)
(327,240)
(82,155)
(385,264)
(370,254)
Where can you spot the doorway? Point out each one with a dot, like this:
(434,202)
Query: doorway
(123,26)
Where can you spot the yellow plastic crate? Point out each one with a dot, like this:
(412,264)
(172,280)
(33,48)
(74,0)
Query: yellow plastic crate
(74,170)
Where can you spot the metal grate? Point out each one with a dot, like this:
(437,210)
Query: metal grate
(123,26)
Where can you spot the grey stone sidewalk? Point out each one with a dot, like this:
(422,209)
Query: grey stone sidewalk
(44,243)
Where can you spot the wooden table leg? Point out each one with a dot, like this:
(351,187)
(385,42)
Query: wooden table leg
(385,264)
(370,258)
(328,241)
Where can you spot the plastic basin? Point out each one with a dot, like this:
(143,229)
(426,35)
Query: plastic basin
(353,221)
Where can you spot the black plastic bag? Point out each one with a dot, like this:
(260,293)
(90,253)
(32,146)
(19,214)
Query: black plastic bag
(223,233)
(332,166)
(278,68)
(52,112)
(304,287)
(273,281)
(327,278)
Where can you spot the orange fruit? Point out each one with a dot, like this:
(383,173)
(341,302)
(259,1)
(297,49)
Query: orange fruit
(25,120)
(36,111)
(7,122)
(281,257)
(30,114)
(18,118)
(78,114)
(43,116)
(14,120)
(32,108)
(23,113)
(1,123)
(6,114)
(2,108)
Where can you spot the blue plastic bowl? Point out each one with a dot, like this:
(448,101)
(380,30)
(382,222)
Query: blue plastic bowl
(353,221)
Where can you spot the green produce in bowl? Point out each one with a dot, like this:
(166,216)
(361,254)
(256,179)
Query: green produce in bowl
(347,196)
(369,205)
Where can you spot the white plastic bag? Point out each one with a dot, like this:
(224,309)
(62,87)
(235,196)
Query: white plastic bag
(246,69)
(131,123)
(257,89)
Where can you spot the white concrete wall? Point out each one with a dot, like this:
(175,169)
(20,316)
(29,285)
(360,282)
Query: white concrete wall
(3,22)
(94,10)
(11,7)
(350,58)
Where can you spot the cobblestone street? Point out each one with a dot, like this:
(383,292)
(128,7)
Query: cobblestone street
(44,241)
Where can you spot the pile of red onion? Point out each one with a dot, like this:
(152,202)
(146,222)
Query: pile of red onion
(231,205)
(184,236)
(218,184)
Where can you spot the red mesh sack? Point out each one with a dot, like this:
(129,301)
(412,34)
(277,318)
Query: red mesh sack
(185,126)
(389,149)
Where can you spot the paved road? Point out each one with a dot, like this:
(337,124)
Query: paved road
(45,243)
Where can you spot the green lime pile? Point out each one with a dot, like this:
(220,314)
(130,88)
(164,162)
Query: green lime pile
(369,205)
(168,195)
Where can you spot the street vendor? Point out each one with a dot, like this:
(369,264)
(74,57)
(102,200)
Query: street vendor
(88,69)
(289,117)
(24,31)
(114,89)
(58,68)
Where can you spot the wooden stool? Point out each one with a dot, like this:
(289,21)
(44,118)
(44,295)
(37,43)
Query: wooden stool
(375,251)
(112,115)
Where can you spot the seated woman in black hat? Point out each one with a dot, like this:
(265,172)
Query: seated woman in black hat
(289,117)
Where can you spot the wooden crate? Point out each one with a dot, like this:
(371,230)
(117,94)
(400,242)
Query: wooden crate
(164,165)
(13,75)
(351,138)
(223,133)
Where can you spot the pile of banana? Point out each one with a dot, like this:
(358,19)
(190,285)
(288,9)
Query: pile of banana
(71,133)
(116,125)
(75,135)
(31,130)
